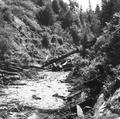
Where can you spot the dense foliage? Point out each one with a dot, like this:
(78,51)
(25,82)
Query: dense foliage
(35,31)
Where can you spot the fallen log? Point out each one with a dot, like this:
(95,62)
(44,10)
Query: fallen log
(16,67)
(6,65)
(31,66)
(11,77)
(10,69)
(51,61)
(59,58)
(8,73)
(73,95)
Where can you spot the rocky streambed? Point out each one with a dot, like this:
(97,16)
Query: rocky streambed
(47,92)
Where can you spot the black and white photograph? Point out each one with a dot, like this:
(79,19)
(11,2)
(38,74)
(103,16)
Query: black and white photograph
(59,59)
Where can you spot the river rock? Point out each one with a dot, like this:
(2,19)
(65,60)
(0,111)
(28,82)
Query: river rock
(99,107)
(80,112)
(33,116)
(118,118)
(108,109)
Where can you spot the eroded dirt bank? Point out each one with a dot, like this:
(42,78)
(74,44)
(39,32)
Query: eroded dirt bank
(23,99)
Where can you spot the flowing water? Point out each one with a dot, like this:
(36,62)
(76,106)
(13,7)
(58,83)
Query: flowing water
(37,94)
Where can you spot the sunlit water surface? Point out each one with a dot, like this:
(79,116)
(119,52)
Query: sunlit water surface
(38,93)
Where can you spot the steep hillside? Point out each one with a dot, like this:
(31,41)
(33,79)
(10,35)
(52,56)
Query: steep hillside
(31,40)
(38,31)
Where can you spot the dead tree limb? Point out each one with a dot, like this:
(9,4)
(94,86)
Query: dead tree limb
(7,72)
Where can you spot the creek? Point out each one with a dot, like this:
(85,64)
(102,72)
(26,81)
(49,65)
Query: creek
(42,93)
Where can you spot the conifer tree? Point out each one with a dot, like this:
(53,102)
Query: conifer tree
(107,11)
(81,16)
(56,6)
(97,10)
(46,16)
